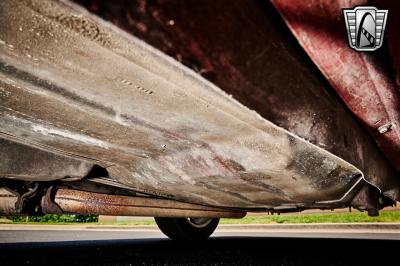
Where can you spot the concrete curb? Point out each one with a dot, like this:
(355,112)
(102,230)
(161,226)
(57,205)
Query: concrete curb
(315,226)
(269,227)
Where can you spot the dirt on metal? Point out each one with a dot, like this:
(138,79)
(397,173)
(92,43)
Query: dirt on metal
(84,94)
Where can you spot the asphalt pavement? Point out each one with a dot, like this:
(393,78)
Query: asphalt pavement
(229,245)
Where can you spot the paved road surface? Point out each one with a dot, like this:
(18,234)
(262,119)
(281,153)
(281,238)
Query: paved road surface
(49,235)
(229,246)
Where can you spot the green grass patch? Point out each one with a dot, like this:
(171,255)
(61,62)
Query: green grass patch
(51,219)
(354,217)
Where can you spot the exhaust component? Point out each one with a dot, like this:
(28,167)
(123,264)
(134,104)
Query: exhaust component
(8,201)
(82,202)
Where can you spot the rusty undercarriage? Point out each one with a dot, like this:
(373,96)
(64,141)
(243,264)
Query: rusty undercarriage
(96,121)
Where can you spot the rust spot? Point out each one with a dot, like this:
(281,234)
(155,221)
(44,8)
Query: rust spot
(254,176)
(230,164)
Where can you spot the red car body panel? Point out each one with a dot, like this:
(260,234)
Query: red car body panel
(362,79)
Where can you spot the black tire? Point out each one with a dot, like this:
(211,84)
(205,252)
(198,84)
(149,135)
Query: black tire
(186,228)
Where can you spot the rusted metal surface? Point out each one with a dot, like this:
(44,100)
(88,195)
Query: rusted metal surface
(79,87)
(8,201)
(363,80)
(75,201)
(47,204)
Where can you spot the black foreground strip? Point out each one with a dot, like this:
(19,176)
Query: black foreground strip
(215,251)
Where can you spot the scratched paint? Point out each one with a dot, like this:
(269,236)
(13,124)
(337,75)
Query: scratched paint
(62,133)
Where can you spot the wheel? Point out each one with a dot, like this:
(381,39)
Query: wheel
(187,228)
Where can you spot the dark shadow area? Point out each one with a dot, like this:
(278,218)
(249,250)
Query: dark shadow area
(215,251)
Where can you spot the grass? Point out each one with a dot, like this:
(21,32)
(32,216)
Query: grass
(354,217)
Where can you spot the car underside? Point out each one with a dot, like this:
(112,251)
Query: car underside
(189,112)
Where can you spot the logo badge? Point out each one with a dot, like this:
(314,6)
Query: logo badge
(365,27)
